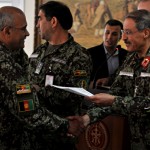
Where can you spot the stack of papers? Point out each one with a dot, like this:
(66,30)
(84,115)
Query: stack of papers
(76,90)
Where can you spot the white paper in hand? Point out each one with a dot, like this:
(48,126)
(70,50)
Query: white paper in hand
(76,90)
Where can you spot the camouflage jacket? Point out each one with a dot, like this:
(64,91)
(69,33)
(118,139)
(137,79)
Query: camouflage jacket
(132,89)
(22,119)
(70,65)
(21,58)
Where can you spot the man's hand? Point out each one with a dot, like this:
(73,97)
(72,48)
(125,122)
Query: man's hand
(102,82)
(36,87)
(76,125)
(102,99)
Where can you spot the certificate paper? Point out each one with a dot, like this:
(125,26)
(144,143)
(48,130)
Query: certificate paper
(76,90)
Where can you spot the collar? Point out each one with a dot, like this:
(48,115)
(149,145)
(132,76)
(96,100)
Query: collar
(107,53)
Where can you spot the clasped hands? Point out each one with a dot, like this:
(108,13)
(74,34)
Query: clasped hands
(77,124)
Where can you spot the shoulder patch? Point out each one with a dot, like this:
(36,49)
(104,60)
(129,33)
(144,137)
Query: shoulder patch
(23,88)
(25,98)
(80,73)
(26,105)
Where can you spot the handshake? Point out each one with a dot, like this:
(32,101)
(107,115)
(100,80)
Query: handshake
(77,124)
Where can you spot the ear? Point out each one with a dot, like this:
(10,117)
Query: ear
(146,33)
(54,21)
(7,30)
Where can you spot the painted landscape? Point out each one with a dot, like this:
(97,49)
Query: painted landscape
(90,17)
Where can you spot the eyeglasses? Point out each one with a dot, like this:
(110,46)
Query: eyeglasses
(128,32)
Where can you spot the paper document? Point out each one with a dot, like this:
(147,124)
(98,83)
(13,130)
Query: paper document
(107,87)
(76,90)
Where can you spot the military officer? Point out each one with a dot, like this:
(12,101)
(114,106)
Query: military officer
(59,61)
(130,93)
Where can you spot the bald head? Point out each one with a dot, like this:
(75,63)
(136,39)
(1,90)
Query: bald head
(10,10)
(9,16)
(144,4)
(13,26)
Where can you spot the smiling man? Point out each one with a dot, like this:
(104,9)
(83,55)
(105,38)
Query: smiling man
(61,61)
(130,93)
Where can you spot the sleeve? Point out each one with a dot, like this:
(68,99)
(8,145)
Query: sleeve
(98,113)
(39,116)
(128,106)
(132,105)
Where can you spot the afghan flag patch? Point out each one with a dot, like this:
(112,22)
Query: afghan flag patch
(26,105)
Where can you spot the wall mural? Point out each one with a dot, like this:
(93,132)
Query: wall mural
(90,16)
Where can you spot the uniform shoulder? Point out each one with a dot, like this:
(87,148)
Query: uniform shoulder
(5,55)
(41,47)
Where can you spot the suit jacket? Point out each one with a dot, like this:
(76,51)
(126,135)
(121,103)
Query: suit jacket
(100,66)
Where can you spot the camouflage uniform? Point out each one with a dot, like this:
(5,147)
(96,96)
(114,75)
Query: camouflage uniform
(21,58)
(70,64)
(133,100)
(18,127)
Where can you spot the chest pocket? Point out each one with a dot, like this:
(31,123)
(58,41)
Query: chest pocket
(60,71)
(124,84)
(143,84)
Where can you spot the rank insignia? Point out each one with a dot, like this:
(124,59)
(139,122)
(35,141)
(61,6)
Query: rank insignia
(26,105)
(145,62)
(80,73)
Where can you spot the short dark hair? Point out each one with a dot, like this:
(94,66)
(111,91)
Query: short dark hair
(141,18)
(113,22)
(60,11)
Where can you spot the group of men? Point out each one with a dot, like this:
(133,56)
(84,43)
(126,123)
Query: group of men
(130,92)
(35,115)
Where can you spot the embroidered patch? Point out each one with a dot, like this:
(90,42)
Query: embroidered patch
(145,74)
(145,62)
(59,60)
(82,83)
(23,88)
(26,105)
(126,73)
(80,73)
(34,55)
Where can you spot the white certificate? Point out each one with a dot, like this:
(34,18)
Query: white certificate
(76,90)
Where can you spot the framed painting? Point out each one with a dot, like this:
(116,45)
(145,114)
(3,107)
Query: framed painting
(90,16)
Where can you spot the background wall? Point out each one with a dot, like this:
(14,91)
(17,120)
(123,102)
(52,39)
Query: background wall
(29,9)
(85,32)
(90,17)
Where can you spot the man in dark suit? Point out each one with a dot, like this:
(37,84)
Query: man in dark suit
(107,56)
